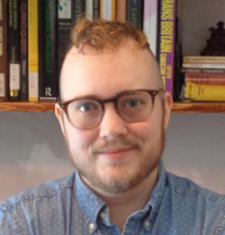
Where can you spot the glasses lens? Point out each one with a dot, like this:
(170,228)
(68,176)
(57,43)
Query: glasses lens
(84,113)
(135,107)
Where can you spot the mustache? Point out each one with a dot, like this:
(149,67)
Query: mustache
(121,143)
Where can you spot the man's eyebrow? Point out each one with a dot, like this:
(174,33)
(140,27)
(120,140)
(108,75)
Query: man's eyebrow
(97,97)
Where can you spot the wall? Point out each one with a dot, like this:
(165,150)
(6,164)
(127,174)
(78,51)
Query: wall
(196,17)
(32,150)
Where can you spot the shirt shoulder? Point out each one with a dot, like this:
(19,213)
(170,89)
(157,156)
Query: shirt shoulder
(17,210)
(200,203)
(187,188)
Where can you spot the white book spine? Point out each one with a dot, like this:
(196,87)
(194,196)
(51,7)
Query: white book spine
(150,23)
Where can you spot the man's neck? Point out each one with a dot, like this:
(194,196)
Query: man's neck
(122,205)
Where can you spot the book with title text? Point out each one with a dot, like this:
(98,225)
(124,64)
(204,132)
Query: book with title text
(167,26)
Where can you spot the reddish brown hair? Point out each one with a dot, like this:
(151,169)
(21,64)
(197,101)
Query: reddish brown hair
(101,34)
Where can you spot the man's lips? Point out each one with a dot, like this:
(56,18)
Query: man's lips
(115,151)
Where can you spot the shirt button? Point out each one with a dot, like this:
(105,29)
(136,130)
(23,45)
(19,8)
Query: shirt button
(92,227)
(147,225)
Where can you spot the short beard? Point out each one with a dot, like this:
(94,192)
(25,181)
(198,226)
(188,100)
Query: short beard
(124,182)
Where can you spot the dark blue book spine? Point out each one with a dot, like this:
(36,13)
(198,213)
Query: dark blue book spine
(23,50)
(96,9)
(135,13)
(78,10)
(64,24)
(14,50)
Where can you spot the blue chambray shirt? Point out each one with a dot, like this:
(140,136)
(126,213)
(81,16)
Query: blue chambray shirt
(177,206)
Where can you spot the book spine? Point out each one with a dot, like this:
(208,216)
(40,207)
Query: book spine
(3,50)
(205,78)
(167,42)
(206,81)
(202,70)
(23,50)
(14,50)
(202,92)
(121,11)
(64,24)
(33,75)
(135,13)
(150,24)
(204,59)
(204,65)
(89,9)
(48,81)
(205,75)
(78,10)
(96,9)
(108,10)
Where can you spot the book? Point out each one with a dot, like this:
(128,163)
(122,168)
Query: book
(89,9)
(205,78)
(167,23)
(23,50)
(64,24)
(134,13)
(3,50)
(33,76)
(202,70)
(108,9)
(121,11)
(48,80)
(14,50)
(204,92)
(78,10)
(150,23)
(204,65)
(204,59)
(96,9)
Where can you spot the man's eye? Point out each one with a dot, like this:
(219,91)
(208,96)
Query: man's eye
(87,107)
(133,103)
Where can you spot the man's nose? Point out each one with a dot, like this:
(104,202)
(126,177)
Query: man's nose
(112,125)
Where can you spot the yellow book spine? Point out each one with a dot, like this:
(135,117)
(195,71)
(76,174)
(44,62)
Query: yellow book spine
(113,10)
(33,50)
(204,92)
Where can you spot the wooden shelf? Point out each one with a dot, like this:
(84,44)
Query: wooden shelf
(26,107)
(199,107)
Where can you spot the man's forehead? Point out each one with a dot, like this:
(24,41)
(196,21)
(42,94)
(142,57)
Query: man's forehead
(85,73)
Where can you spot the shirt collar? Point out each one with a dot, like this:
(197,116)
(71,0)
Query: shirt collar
(91,205)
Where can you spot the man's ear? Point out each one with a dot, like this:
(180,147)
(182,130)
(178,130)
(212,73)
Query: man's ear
(59,115)
(168,104)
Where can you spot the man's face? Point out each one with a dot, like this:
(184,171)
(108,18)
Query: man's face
(114,156)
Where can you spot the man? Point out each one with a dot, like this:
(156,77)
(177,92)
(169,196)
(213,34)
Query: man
(113,113)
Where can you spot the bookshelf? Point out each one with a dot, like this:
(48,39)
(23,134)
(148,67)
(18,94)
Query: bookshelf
(199,107)
(189,30)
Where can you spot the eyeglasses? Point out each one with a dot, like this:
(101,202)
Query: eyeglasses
(132,106)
